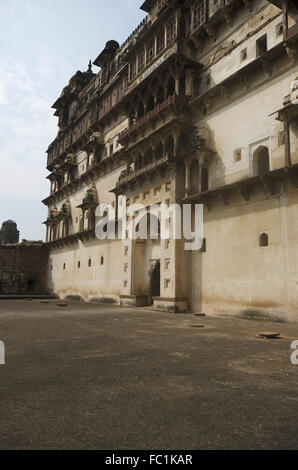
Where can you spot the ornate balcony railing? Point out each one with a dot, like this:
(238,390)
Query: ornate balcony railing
(142,171)
(171,100)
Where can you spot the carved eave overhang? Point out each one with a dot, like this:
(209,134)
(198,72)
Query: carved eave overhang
(64,215)
(90,201)
(288,113)
(86,235)
(270,183)
(60,242)
(59,103)
(110,50)
(54,176)
(86,205)
(148,5)
(51,221)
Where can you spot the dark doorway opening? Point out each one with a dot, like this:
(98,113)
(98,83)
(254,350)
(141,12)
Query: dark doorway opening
(31,284)
(155,280)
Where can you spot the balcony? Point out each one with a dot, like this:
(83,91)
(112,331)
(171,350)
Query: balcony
(147,170)
(170,102)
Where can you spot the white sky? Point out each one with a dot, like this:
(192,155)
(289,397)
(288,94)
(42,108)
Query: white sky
(42,44)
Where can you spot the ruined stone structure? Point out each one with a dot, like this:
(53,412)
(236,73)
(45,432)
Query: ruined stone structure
(9,233)
(23,269)
(190,109)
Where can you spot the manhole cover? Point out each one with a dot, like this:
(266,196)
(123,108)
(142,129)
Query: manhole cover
(269,335)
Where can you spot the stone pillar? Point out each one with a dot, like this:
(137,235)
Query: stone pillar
(177,88)
(176,140)
(189,82)
(187,178)
(287,142)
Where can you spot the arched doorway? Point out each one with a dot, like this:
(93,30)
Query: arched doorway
(261,161)
(31,284)
(155,280)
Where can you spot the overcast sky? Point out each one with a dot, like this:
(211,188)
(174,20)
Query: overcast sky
(42,44)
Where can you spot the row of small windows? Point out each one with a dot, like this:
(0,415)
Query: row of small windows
(79,263)
(263,242)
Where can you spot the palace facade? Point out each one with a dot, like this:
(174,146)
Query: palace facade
(198,106)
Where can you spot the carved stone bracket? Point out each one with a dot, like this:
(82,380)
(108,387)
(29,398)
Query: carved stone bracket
(292,53)
(224,196)
(210,30)
(245,192)
(268,185)
(267,67)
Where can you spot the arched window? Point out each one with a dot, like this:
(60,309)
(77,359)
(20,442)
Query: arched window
(204,179)
(139,163)
(264,239)
(159,151)
(194,177)
(182,86)
(91,219)
(170,150)
(81,224)
(261,161)
(183,144)
(150,103)
(148,158)
(160,95)
(54,232)
(140,111)
(65,229)
(171,87)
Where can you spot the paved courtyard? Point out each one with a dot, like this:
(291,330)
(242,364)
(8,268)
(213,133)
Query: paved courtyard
(90,376)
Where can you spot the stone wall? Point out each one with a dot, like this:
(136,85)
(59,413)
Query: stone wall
(23,269)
